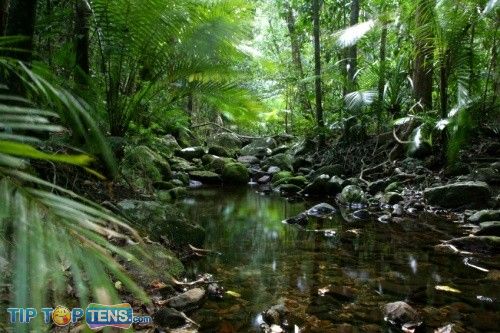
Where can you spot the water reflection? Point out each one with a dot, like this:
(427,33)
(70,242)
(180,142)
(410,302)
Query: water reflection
(269,262)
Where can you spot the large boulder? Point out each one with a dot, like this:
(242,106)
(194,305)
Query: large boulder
(142,167)
(227,140)
(221,151)
(162,221)
(484,216)
(191,153)
(490,228)
(454,195)
(180,164)
(235,173)
(166,145)
(259,147)
(282,161)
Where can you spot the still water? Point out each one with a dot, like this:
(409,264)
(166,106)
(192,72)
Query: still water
(364,264)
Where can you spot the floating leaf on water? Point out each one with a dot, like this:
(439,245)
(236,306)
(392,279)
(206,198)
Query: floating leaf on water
(233,293)
(448,289)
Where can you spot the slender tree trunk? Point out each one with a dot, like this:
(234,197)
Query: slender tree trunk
(352,52)
(21,22)
(82,15)
(381,77)
(317,63)
(423,71)
(443,84)
(297,59)
(4,12)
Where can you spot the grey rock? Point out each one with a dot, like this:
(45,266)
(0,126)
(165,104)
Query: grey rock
(401,314)
(458,194)
(188,299)
(191,153)
(248,160)
(321,210)
(484,216)
(206,177)
(490,228)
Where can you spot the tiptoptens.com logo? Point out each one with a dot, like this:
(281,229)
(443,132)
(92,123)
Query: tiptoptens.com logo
(97,316)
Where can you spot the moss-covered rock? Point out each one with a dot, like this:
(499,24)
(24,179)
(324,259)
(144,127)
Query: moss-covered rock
(322,186)
(352,194)
(166,145)
(180,164)
(280,176)
(161,219)
(206,177)
(142,167)
(235,173)
(282,161)
(330,170)
(475,194)
(227,140)
(191,153)
(220,151)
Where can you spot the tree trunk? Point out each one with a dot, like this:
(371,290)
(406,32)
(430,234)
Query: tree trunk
(423,71)
(352,52)
(381,77)
(297,59)
(4,12)
(443,84)
(82,14)
(317,64)
(21,22)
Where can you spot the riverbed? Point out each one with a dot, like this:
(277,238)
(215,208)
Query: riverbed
(335,274)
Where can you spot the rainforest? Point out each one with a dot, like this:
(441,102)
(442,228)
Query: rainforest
(264,166)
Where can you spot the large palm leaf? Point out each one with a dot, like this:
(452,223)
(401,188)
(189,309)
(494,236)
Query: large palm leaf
(51,238)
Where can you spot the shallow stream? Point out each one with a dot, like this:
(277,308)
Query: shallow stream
(364,265)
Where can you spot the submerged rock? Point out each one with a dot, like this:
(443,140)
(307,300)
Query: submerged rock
(169,318)
(458,194)
(188,299)
(300,219)
(275,315)
(321,210)
(483,244)
(401,315)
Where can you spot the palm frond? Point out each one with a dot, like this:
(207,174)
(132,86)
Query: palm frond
(350,36)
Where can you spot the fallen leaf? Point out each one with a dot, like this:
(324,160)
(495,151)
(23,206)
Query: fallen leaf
(448,289)
(233,293)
